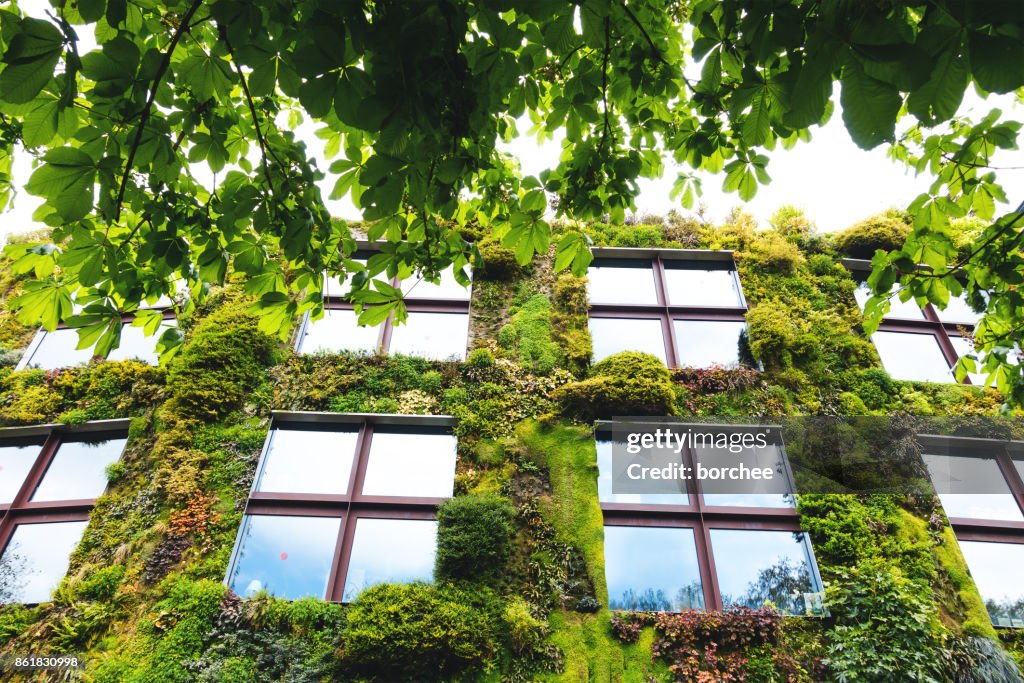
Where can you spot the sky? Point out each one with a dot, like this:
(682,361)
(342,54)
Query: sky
(830,178)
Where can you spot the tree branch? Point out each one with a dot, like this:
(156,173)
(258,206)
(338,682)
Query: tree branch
(647,36)
(264,148)
(182,28)
(971,164)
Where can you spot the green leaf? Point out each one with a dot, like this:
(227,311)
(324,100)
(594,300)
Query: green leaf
(757,124)
(574,250)
(65,180)
(24,80)
(376,314)
(997,62)
(741,177)
(869,106)
(940,96)
(43,303)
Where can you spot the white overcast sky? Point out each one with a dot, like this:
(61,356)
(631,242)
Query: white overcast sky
(830,178)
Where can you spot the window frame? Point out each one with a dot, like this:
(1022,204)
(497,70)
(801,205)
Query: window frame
(1005,454)
(413,304)
(931,324)
(41,333)
(663,310)
(702,518)
(350,506)
(21,510)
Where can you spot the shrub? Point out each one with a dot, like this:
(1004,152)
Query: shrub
(775,253)
(628,383)
(418,632)
(526,631)
(499,263)
(885,231)
(473,538)
(101,584)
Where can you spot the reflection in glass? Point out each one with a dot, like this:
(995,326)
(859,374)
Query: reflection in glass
(995,568)
(613,335)
(36,560)
(308,461)
(78,470)
(703,343)
(607,474)
(621,283)
(652,568)
(448,288)
(698,285)
(958,311)
(757,567)
(410,464)
(970,487)
(289,557)
(911,356)
(15,462)
(774,492)
(438,336)
(905,310)
(390,550)
(58,348)
(338,331)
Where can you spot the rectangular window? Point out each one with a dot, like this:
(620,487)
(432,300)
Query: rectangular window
(919,344)
(980,483)
(50,478)
(437,326)
(700,548)
(342,502)
(685,307)
(58,349)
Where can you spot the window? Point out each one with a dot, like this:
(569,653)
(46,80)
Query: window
(683,306)
(980,483)
(702,549)
(49,479)
(920,344)
(342,502)
(437,326)
(58,349)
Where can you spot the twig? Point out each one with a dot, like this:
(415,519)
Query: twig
(264,148)
(183,26)
(647,35)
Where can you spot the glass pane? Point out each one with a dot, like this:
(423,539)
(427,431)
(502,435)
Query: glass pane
(703,343)
(439,336)
(972,487)
(15,462)
(622,283)
(995,568)
(78,470)
(308,461)
(390,550)
(957,310)
(910,356)
(607,473)
(612,335)
(289,557)
(691,285)
(755,567)
(963,347)
(136,345)
(448,288)
(57,350)
(410,464)
(36,560)
(338,331)
(774,492)
(906,310)
(652,568)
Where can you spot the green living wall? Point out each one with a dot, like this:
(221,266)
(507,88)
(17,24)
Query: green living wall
(519,592)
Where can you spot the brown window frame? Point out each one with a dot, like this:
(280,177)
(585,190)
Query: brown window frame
(663,310)
(703,518)
(1005,454)
(350,506)
(413,304)
(943,332)
(50,437)
(41,333)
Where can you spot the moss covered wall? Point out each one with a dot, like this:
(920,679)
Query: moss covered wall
(144,599)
